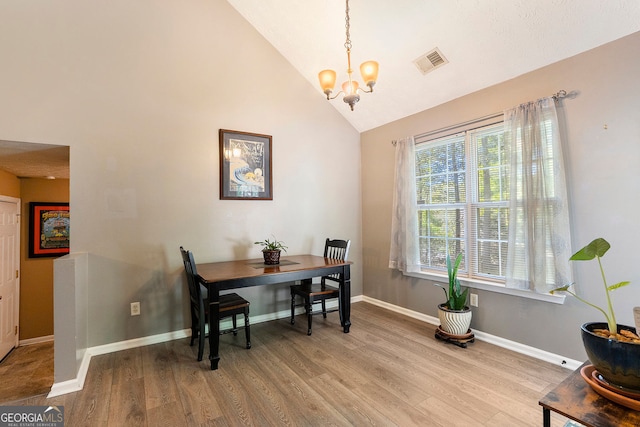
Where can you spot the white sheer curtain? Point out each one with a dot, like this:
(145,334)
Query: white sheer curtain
(539,234)
(404,254)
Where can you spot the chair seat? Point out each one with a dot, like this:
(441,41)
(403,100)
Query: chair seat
(229,302)
(315,291)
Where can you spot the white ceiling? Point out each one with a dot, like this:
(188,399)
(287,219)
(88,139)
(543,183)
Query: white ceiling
(485,42)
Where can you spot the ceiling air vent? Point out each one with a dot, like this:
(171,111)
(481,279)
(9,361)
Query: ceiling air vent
(430,61)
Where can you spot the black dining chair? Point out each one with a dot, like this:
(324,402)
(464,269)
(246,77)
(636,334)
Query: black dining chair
(312,293)
(230,306)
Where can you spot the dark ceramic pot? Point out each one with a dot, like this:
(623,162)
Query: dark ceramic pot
(618,362)
(271,257)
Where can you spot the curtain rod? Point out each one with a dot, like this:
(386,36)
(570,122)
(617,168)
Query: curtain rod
(556,96)
(559,94)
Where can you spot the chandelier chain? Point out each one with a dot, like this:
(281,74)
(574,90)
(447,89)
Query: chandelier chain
(347,43)
(350,89)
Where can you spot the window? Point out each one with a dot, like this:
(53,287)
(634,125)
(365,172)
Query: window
(492,191)
(462,186)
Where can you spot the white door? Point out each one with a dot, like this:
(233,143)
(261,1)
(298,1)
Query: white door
(9,268)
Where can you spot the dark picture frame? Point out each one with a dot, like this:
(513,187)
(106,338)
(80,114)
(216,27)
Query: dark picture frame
(48,229)
(245,166)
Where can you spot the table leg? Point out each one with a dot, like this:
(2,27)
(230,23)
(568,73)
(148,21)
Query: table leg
(214,326)
(546,417)
(345,298)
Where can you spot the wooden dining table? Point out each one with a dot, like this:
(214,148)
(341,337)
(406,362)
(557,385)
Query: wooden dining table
(220,276)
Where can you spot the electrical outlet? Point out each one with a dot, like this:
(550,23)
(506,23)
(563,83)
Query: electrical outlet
(135,309)
(474,300)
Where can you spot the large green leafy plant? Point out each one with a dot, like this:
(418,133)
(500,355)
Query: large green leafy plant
(596,249)
(456,297)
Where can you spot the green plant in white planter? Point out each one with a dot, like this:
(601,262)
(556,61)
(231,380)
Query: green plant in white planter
(457,297)
(454,314)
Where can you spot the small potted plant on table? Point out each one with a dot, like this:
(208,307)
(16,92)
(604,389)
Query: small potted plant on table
(271,250)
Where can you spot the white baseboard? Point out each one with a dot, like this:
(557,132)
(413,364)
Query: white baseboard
(546,356)
(36,340)
(64,387)
(138,342)
(77,384)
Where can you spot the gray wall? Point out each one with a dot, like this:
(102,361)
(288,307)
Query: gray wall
(604,180)
(138,91)
(70,315)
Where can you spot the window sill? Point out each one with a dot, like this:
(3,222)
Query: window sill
(491,287)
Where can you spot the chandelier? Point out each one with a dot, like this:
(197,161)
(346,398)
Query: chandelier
(350,88)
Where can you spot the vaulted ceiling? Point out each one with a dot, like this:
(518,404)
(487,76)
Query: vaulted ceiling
(485,42)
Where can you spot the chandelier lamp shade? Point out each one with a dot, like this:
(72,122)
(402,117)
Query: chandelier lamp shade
(350,88)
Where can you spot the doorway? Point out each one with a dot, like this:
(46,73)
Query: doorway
(33,172)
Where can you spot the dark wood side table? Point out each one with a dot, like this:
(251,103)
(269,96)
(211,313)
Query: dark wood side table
(575,399)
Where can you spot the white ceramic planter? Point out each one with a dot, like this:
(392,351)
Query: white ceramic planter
(454,322)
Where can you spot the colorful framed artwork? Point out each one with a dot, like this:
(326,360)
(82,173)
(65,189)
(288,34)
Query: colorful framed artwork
(48,229)
(245,166)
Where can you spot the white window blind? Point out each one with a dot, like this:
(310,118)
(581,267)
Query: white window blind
(462,196)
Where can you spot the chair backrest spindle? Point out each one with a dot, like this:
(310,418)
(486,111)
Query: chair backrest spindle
(336,249)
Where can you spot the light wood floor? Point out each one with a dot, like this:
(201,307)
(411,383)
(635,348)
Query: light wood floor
(26,371)
(389,370)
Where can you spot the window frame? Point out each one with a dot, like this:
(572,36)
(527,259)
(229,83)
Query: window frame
(468,275)
(465,165)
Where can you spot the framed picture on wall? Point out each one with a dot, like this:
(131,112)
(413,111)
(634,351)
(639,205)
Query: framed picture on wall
(48,229)
(245,166)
